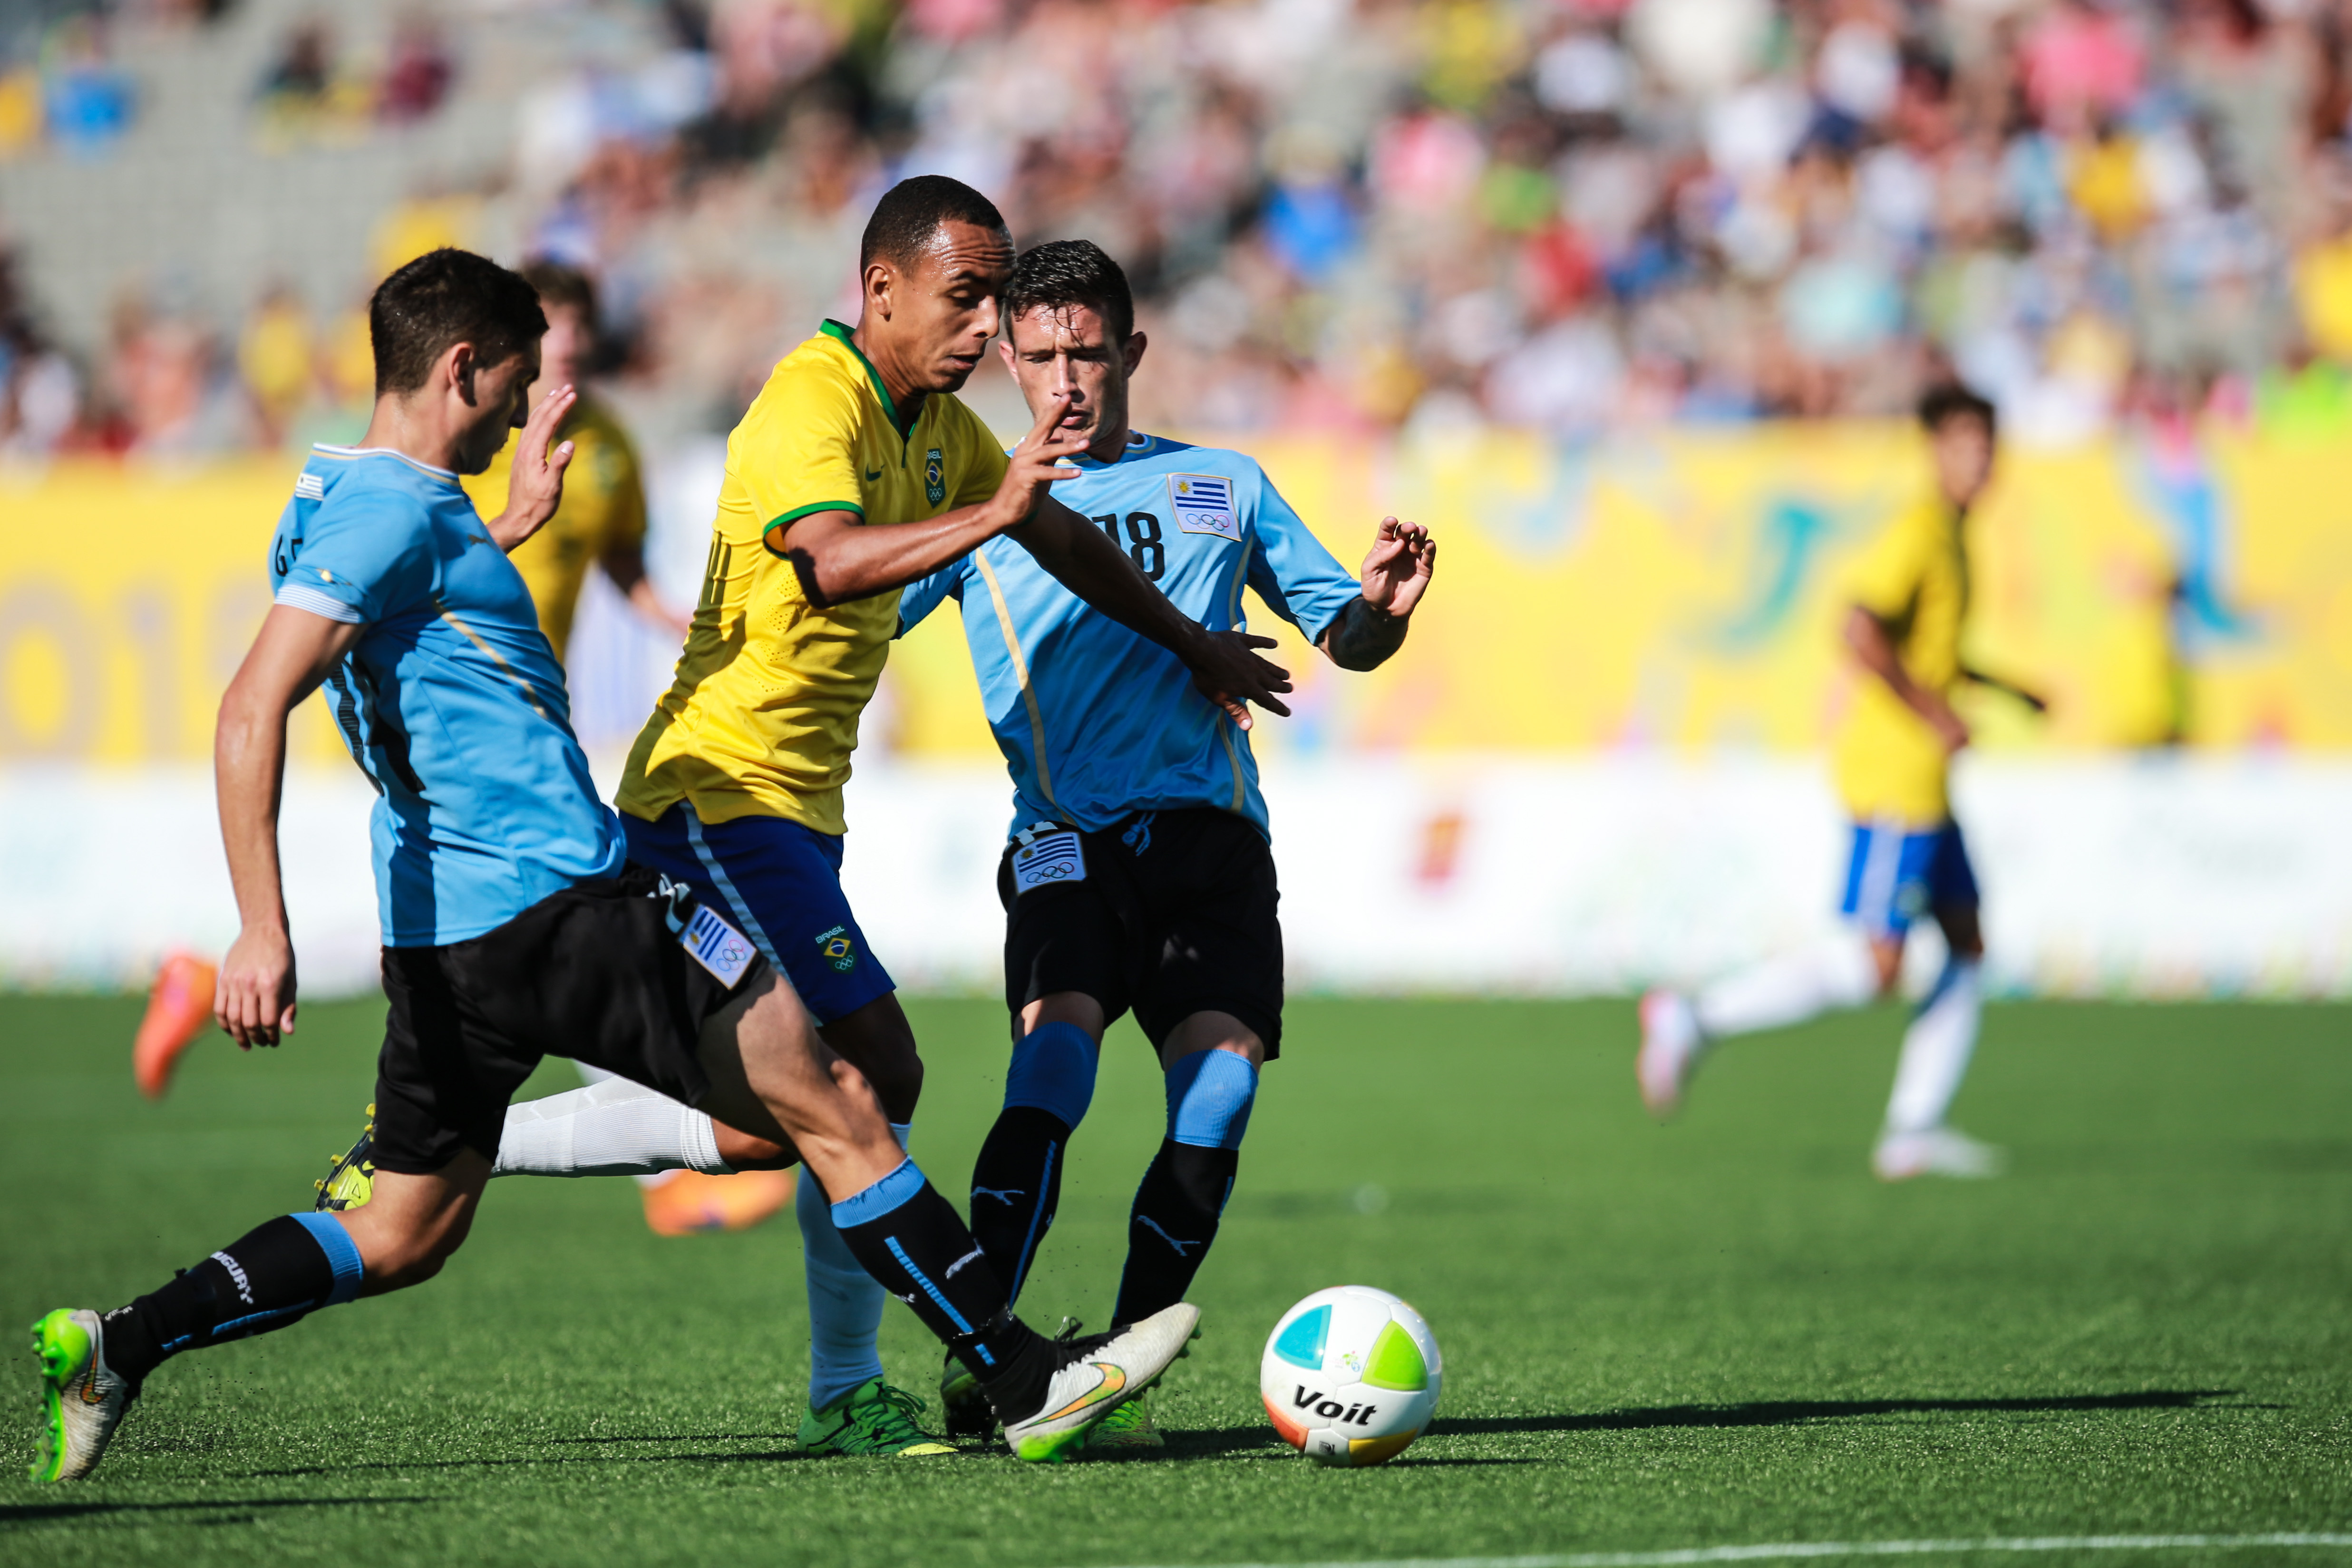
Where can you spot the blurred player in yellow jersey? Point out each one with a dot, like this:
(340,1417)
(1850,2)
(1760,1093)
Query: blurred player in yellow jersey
(602,521)
(1892,763)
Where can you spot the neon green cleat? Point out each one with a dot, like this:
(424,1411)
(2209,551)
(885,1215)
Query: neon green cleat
(350,1180)
(1128,1429)
(82,1398)
(872,1418)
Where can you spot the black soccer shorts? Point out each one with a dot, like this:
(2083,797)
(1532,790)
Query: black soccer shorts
(1167,912)
(595,973)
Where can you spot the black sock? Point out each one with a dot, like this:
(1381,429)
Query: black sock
(1016,1184)
(910,1239)
(1171,1226)
(272,1276)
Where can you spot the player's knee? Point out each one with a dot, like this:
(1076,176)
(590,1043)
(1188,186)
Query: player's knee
(1052,1070)
(857,1100)
(1210,1094)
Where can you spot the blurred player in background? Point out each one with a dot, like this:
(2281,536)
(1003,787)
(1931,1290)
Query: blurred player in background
(1893,766)
(602,523)
(1139,875)
(734,787)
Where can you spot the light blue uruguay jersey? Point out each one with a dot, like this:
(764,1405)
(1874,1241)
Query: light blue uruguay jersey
(1096,722)
(451,703)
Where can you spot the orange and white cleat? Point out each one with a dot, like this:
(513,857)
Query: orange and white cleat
(1670,1044)
(177,1012)
(685,1202)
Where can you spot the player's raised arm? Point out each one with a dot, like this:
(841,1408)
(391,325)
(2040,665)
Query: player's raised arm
(253,999)
(1396,574)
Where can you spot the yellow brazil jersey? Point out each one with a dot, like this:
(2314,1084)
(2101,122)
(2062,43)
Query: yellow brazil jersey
(1889,765)
(762,715)
(604,506)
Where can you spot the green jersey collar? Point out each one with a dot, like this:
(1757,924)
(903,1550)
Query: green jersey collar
(840,334)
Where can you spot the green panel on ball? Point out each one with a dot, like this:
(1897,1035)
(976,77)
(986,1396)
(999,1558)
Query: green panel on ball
(1301,1344)
(1395,1362)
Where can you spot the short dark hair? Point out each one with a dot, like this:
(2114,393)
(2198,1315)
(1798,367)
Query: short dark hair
(1070,272)
(447,297)
(911,211)
(562,286)
(1950,400)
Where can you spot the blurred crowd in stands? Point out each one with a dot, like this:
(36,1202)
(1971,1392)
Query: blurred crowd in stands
(1374,215)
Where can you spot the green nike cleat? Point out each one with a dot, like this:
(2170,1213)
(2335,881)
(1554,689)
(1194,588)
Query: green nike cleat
(872,1418)
(350,1180)
(82,1398)
(1128,1429)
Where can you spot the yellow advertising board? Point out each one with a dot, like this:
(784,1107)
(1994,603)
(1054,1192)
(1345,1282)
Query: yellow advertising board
(1678,589)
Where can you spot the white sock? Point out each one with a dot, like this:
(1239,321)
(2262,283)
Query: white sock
(612,1128)
(1837,973)
(845,1303)
(1936,1049)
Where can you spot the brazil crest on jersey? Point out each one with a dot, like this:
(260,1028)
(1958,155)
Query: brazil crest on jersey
(1096,722)
(451,703)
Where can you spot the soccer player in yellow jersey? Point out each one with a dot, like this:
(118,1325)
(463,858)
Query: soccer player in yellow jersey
(854,471)
(602,521)
(1892,763)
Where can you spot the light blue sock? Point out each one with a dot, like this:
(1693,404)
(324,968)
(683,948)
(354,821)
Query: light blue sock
(1209,1098)
(1052,1070)
(845,1303)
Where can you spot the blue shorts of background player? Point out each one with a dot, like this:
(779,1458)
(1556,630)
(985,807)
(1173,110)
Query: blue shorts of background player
(781,881)
(1894,877)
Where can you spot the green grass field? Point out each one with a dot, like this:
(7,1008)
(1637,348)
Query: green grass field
(1719,1332)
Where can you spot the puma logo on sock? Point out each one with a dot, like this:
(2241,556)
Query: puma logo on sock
(1145,1220)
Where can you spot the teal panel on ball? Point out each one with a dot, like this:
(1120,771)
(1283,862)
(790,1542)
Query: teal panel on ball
(1301,1344)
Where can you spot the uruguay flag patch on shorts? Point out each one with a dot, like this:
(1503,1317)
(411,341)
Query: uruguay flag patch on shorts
(1048,860)
(1203,503)
(719,947)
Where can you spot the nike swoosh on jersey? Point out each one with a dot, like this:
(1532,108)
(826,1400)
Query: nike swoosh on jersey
(1114,1381)
(875,474)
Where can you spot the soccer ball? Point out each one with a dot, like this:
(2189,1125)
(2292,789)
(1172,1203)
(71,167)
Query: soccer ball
(1350,1377)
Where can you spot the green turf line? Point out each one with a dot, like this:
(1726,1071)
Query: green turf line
(1783,1550)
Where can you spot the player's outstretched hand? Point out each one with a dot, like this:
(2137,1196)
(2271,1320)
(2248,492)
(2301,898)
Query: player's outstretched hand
(1228,671)
(1034,465)
(1396,573)
(252,1000)
(536,485)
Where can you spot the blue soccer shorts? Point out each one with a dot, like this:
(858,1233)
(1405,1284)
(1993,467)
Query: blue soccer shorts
(781,881)
(1895,876)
